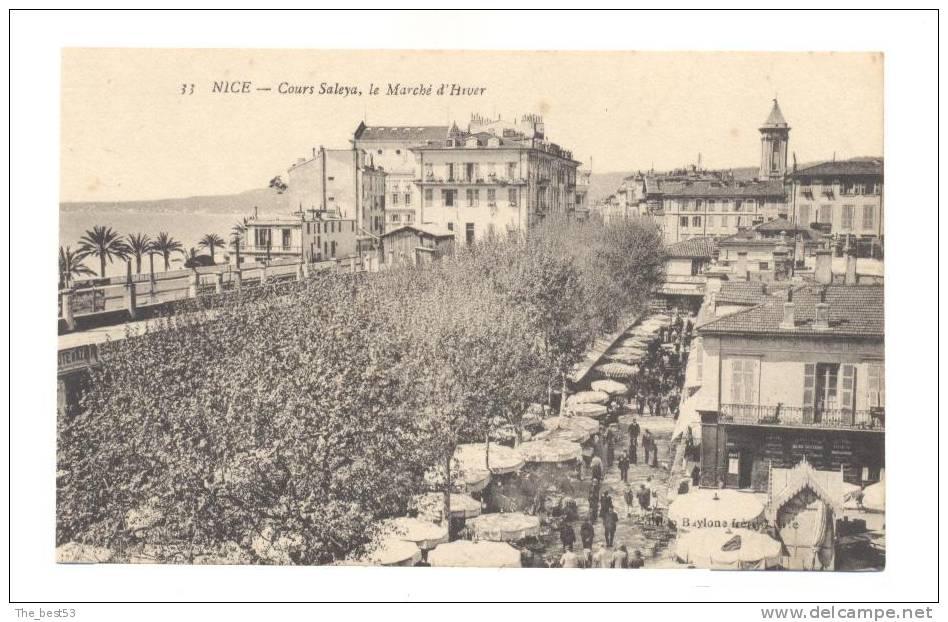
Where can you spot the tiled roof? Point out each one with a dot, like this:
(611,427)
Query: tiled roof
(724,189)
(407,133)
(843,167)
(431,230)
(854,311)
(702,247)
(741,292)
(775,118)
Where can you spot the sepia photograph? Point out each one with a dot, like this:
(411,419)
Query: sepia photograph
(312,314)
(435,308)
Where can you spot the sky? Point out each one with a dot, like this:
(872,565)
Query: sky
(128,132)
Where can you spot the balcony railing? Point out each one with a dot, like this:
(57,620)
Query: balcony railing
(274,248)
(804,416)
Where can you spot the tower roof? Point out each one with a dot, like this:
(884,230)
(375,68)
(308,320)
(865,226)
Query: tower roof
(775,119)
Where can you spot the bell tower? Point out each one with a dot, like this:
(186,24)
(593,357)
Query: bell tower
(774,138)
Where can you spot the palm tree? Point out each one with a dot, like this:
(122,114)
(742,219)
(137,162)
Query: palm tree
(164,245)
(139,244)
(104,243)
(191,257)
(70,265)
(210,242)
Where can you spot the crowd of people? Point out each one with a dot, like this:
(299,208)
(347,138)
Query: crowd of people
(656,389)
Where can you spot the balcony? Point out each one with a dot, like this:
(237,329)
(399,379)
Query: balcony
(274,249)
(804,417)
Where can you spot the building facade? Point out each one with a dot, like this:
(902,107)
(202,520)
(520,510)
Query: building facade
(391,149)
(497,176)
(345,183)
(842,198)
(799,377)
(310,237)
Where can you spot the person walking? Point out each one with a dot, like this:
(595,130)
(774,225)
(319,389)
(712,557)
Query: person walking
(593,504)
(610,445)
(596,469)
(605,505)
(602,558)
(634,431)
(644,496)
(623,467)
(646,445)
(653,448)
(695,475)
(629,497)
(609,522)
(567,536)
(586,533)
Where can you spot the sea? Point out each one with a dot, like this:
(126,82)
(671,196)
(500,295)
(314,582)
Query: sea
(187,228)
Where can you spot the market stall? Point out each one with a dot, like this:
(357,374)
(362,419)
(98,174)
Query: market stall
(728,549)
(505,527)
(481,554)
(424,534)
(550,451)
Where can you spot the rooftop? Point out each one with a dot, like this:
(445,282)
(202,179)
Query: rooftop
(854,311)
(431,230)
(865,166)
(702,247)
(409,133)
(723,188)
(775,119)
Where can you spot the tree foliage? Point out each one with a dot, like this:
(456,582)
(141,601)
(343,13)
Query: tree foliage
(282,425)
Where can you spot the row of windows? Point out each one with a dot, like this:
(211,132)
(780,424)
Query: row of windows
(449,198)
(824,214)
(825,385)
(712,205)
(713,222)
(329,226)
(845,187)
(470,171)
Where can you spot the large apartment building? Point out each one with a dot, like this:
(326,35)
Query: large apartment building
(345,183)
(799,376)
(495,175)
(843,198)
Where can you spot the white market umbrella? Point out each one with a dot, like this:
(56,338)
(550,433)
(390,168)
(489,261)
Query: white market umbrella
(873,497)
(704,508)
(610,386)
(431,504)
(424,534)
(550,450)
(728,548)
(479,456)
(76,553)
(586,410)
(573,435)
(588,397)
(392,552)
(481,554)
(586,424)
(505,527)
(617,370)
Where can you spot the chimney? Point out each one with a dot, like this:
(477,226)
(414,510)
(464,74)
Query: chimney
(821,321)
(712,282)
(824,267)
(851,278)
(742,265)
(789,321)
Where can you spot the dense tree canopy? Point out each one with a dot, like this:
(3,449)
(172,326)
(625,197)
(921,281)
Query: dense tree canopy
(282,425)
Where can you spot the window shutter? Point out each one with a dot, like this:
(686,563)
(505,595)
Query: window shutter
(849,386)
(809,387)
(737,374)
(750,381)
(875,385)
